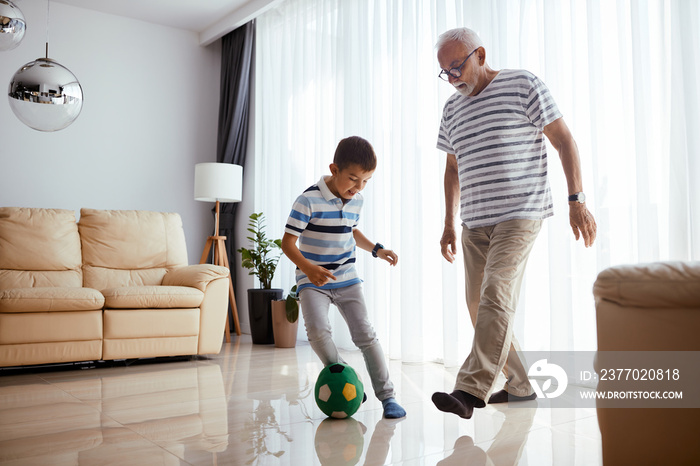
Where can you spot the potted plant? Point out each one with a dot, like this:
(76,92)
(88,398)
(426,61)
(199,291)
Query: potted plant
(285,319)
(262,261)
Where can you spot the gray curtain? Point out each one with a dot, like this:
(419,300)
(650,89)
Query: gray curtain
(237,56)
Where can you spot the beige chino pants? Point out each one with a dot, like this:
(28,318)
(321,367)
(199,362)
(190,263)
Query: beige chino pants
(494,265)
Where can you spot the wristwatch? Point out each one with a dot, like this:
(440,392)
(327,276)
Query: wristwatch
(577,197)
(377,247)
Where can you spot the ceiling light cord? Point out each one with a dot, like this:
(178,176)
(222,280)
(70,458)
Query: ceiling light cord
(48,15)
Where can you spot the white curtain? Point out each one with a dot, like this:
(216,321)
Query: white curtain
(626,76)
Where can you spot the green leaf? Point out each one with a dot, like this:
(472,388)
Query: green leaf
(292,309)
(292,305)
(256,258)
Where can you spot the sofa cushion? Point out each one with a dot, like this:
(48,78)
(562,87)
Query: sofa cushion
(40,278)
(103,278)
(50,299)
(39,247)
(146,244)
(152,297)
(659,284)
(149,324)
(46,327)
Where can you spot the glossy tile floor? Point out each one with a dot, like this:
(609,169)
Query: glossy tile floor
(254,405)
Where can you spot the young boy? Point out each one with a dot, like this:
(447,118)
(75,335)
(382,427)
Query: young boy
(324,220)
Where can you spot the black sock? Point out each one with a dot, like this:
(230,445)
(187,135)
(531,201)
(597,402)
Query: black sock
(505,397)
(458,402)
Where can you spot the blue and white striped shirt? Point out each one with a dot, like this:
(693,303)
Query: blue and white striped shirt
(324,225)
(499,142)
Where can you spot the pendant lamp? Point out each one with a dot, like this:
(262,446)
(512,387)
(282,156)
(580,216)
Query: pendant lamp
(12,25)
(45,95)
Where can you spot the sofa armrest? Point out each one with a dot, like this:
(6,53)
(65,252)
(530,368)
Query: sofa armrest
(214,281)
(195,276)
(654,285)
(646,308)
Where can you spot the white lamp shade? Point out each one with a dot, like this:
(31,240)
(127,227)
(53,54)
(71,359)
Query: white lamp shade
(218,182)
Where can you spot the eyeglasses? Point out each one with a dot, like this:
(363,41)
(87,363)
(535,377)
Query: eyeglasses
(455,72)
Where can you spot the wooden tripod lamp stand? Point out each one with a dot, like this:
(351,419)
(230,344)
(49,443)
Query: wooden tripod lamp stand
(219,182)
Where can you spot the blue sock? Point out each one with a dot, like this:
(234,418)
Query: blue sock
(392,410)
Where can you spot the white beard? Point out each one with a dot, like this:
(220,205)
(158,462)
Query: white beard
(465,89)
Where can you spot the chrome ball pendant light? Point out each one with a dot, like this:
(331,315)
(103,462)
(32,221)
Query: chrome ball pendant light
(12,25)
(45,95)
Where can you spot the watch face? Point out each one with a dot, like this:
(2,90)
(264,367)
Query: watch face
(578,197)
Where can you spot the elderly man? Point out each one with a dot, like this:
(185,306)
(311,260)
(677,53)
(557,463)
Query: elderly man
(492,130)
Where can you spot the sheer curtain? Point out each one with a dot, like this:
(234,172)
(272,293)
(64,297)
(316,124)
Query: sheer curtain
(624,74)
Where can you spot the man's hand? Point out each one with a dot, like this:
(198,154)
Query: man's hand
(318,275)
(448,244)
(388,255)
(582,223)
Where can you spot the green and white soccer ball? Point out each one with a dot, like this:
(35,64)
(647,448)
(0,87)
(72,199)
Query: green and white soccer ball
(339,391)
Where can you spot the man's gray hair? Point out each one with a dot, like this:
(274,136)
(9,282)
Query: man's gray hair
(464,35)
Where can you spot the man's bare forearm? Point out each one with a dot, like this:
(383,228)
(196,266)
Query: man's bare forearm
(451,190)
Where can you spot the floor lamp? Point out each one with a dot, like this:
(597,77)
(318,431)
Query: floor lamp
(219,182)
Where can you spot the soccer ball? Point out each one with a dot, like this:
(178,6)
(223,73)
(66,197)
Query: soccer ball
(340,441)
(339,391)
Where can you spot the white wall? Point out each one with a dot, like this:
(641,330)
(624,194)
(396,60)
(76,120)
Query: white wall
(150,114)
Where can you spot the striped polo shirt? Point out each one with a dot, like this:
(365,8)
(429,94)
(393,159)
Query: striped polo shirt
(500,148)
(324,226)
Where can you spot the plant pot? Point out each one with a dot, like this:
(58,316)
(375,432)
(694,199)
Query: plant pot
(260,314)
(285,332)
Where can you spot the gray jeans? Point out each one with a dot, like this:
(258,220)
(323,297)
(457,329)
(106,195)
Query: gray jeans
(350,302)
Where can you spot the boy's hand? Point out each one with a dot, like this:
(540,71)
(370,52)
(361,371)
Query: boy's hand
(388,255)
(318,275)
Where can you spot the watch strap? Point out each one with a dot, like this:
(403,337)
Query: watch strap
(376,249)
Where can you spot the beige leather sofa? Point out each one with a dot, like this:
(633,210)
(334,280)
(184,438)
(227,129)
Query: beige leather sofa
(115,285)
(648,307)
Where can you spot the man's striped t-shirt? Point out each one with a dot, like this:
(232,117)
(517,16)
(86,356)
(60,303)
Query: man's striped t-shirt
(324,225)
(500,148)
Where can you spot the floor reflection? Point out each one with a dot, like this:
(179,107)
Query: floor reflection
(464,448)
(72,427)
(340,441)
(254,405)
(281,410)
(507,448)
(508,445)
(82,418)
(380,443)
(261,427)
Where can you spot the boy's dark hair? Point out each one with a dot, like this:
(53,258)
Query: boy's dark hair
(355,150)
